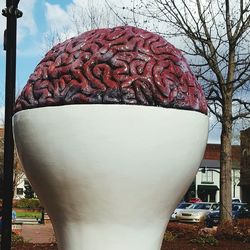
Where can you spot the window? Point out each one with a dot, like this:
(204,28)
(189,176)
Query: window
(26,182)
(207,177)
(19,191)
(205,206)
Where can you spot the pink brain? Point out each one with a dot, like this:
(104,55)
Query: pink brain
(122,65)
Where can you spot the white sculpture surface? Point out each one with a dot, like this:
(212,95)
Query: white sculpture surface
(110,175)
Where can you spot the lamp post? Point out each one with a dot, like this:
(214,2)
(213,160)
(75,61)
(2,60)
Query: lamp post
(11,12)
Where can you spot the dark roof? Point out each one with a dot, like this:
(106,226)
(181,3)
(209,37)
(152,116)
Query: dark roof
(208,187)
(216,164)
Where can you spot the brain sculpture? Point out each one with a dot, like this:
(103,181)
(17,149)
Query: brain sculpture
(122,65)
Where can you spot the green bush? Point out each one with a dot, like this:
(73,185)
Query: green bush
(169,236)
(28,214)
(205,240)
(17,240)
(28,203)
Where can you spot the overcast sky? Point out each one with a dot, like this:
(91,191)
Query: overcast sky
(35,29)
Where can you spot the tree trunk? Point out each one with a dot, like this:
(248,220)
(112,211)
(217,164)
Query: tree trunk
(226,164)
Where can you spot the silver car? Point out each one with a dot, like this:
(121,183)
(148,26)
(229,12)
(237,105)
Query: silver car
(196,212)
(180,207)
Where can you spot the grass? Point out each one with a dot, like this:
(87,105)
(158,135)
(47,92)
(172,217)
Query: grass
(28,215)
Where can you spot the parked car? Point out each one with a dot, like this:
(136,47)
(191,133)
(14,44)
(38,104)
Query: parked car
(237,200)
(195,200)
(179,208)
(197,212)
(239,210)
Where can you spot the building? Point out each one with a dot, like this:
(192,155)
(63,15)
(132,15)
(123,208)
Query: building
(245,165)
(19,177)
(206,185)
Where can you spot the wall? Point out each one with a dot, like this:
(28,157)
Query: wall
(245,165)
(208,176)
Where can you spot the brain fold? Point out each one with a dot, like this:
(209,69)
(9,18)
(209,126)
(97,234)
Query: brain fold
(123,65)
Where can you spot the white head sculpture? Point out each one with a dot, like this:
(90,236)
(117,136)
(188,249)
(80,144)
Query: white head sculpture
(111,128)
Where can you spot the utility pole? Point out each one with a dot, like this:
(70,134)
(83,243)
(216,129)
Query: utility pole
(11,12)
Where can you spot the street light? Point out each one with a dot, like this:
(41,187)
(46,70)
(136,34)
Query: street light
(11,12)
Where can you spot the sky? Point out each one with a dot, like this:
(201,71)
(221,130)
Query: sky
(36,33)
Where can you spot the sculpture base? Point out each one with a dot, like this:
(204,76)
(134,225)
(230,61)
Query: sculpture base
(110,175)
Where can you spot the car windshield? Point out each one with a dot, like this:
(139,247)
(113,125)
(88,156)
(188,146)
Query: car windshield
(183,205)
(215,207)
(236,207)
(205,206)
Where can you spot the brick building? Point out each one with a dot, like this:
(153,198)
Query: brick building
(1,132)
(245,165)
(206,185)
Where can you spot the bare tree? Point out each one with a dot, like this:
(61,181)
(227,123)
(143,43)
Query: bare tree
(214,34)
(83,18)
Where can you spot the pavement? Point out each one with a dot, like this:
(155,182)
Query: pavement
(40,233)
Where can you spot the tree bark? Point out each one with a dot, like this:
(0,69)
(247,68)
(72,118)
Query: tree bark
(226,163)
